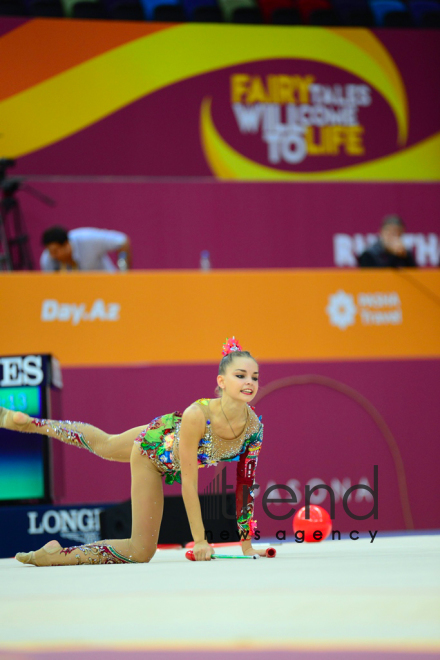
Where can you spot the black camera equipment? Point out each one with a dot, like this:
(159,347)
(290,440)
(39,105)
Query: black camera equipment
(15,252)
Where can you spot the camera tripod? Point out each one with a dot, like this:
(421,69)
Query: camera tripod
(15,253)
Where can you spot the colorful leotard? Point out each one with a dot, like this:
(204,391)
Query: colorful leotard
(161,437)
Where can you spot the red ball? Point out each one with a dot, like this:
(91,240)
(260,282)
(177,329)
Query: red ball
(319,521)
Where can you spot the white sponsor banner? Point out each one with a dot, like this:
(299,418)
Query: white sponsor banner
(346,247)
(80,525)
(21,370)
(75,313)
(377,309)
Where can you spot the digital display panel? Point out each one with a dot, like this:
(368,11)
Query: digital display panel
(24,399)
(22,456)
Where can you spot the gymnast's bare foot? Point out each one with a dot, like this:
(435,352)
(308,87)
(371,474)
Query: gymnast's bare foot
(40,557)
(12,420)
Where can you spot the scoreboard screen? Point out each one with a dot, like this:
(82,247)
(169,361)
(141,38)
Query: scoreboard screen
(22,470)
(24,457)
(24,399)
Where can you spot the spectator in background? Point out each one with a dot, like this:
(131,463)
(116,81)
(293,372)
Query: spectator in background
(84,248)
(389,251)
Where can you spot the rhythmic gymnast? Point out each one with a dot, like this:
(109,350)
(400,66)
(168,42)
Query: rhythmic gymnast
(173,446)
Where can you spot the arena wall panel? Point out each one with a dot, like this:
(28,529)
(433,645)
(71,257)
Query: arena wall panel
(243,225)
(277,104)
(349,374)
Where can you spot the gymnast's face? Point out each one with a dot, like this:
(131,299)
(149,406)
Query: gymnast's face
(241,379)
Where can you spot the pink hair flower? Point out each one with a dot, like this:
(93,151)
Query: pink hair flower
(231,345)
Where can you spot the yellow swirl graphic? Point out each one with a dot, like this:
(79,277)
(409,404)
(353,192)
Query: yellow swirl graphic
(84,94)
(378,54)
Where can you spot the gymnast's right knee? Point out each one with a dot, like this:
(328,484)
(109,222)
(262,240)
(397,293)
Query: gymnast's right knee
(143,555)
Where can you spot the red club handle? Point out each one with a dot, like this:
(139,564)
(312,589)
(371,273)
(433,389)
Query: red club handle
(190,555)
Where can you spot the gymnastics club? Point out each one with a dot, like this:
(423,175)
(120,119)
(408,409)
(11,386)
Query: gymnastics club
(270,552)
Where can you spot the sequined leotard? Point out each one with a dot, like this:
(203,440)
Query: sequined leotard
(160,442)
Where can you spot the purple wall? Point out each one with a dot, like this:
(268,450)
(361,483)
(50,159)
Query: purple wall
(311,431)
(249,225)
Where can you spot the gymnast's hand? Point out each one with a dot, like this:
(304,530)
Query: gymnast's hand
(203,551)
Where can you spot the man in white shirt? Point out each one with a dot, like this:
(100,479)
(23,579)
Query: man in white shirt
(84,248)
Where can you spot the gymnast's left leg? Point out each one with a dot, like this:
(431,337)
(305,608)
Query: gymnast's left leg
(147,509)
(111,447)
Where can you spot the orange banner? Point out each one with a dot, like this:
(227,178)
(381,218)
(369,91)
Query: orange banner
(166,317)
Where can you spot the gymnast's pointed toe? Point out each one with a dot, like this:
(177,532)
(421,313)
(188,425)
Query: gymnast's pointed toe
(26,557)
(13,420)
